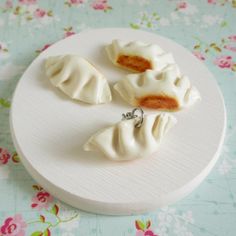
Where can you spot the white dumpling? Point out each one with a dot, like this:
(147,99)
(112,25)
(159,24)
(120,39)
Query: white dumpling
(123,141)
(138,56)
(165,90)
(77,78)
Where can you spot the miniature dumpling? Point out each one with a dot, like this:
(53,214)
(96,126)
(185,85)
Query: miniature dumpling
(78,79)
(138,56)
(164,90)
(125,141)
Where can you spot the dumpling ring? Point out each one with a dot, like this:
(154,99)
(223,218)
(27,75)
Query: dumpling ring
(134,137)
(131,115)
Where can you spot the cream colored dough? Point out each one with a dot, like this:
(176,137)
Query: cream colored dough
(78,79)
(124,141)
(151,52)
(168,83)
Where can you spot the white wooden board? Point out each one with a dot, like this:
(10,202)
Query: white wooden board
(49,130)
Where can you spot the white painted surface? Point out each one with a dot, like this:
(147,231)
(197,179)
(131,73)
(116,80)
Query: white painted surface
(49,131)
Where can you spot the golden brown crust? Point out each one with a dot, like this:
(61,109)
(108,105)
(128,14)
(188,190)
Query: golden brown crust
(135,63)
(158,102)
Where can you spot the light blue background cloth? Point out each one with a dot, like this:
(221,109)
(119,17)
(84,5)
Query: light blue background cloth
(205,27)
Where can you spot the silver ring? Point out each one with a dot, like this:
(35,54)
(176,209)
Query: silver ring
(140,121)
(132,115)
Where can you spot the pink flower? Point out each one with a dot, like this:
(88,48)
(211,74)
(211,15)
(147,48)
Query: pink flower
(41,200)
(75,2)
(4,156)
(13,226)
(211,1)
(181,5)
(9,4)
(149,233)
(39,13)
(139,233)
(28,2)
(45,47)
(100,5)
(143,228)
(231,48)
(232,38)
(69,33)
(145,233)
(199,55)
(224,61)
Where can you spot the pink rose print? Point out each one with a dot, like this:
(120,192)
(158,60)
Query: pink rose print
(69,33)
(4,156)
(28,2)
(199,55)
(143,229)
(43,48)
(181,5)
(70,3)
(232,38)
(75,2)
(8,4)
(231,48)
(39,13)
(13,226)
(41,200)
(224,61)
(145,233)
(100,5)
(211,1)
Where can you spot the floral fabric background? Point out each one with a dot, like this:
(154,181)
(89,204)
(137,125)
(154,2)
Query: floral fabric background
(205,27)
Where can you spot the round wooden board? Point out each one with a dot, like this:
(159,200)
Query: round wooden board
(49,131)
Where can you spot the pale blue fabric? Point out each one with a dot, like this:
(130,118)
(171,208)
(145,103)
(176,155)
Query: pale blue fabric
(197,25)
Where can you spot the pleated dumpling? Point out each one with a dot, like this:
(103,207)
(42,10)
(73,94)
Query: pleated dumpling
(138,56)
(164,90)
(124,141)
(77,78)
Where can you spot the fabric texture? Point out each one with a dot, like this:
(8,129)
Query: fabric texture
(205,27)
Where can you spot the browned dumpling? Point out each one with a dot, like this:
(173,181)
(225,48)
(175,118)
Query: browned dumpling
(138,56)
(164,90)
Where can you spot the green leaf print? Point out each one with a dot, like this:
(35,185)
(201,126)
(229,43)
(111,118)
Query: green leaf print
(134,26)
(55,210)
(37,233)
(4,103)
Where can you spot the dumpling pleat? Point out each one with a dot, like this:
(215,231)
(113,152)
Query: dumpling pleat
(77,78)
(164,90)
(138,56)
(125,141)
